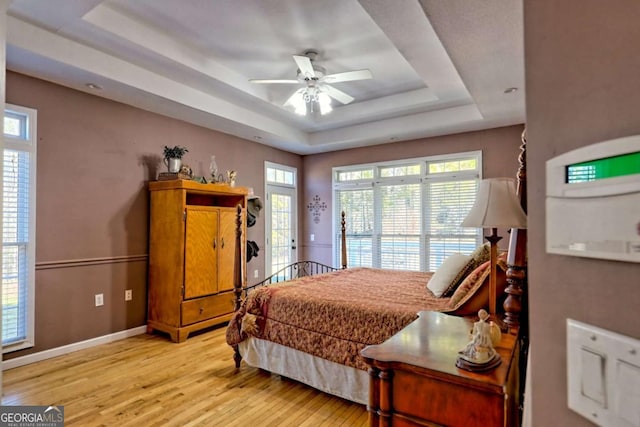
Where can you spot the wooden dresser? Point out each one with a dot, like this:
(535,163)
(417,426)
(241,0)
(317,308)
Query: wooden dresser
(192,242)
(415,382)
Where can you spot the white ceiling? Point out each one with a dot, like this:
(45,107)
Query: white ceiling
(439,67)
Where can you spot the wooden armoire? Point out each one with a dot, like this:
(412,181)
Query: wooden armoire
(192,245)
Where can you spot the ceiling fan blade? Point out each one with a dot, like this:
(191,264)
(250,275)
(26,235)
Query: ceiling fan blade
(348,76)
(304,63)
(267,81)
(337,94)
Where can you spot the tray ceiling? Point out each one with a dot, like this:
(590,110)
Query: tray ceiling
(438,67)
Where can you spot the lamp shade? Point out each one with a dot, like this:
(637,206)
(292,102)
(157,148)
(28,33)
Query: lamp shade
(496,206)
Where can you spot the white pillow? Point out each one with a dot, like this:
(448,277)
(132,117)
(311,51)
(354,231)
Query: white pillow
(446,273)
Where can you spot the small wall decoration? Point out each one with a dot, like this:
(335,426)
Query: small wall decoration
(315,207)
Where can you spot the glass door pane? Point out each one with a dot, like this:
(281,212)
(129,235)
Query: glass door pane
(283,245)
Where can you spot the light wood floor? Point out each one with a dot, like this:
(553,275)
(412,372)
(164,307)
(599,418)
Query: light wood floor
(149,381)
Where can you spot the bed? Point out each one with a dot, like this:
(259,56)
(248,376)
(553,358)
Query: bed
(312,328)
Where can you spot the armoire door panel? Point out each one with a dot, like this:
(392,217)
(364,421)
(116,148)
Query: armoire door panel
(226,260)
(202,245)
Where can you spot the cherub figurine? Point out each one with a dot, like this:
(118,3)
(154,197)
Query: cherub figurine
(483,337)
(231,178)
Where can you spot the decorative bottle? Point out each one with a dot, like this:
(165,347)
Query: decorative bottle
(213,169)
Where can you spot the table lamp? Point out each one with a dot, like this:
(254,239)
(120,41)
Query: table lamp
(496,206)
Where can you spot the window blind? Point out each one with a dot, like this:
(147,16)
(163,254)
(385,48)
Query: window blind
(400,226)
(407,216)
(448,204)
(15,236)
(18,226)
(357,204)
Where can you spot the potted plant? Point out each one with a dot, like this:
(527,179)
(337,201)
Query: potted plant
(173,157)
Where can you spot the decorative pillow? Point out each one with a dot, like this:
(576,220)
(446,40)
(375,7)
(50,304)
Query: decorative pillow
(482,253)
(502,260)
(471,283)
(447,274)
(477,257)
(473,292)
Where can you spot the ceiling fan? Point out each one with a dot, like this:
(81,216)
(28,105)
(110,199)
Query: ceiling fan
(316,84)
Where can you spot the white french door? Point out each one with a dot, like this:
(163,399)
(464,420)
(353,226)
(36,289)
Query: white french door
(281,217)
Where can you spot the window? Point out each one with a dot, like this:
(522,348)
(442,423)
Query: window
(406,215)
(18,228)
(282,175)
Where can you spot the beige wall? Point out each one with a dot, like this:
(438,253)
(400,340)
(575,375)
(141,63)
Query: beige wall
(94,159)
(582,67)
(500,149)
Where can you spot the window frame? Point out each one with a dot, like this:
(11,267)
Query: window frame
(26,143)
(423,178)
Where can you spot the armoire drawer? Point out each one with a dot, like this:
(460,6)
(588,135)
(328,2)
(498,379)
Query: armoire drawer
(199,309)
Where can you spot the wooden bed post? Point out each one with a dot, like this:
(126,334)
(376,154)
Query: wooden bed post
(238,284)
(517,257)
(343,235)
(237,268)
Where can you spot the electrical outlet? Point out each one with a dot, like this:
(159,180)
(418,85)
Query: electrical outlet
(99,300)
(255,274)
(128,295)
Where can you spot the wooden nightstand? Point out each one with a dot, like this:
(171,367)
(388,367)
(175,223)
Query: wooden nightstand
(415,382)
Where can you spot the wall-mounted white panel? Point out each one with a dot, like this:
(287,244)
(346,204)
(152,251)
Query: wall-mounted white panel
(593,201)
(627,404)
(603,375)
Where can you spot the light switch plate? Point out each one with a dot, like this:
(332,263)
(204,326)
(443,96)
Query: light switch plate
(628,401)
(603,374)
(592,376)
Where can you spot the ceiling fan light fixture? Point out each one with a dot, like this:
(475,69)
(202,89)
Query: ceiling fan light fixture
(325,103)
(310,99)
(299,105)
(310,94)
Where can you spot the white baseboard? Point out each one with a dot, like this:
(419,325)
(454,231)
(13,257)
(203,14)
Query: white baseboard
(59,351)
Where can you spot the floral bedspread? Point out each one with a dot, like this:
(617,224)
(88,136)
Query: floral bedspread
(335,315)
